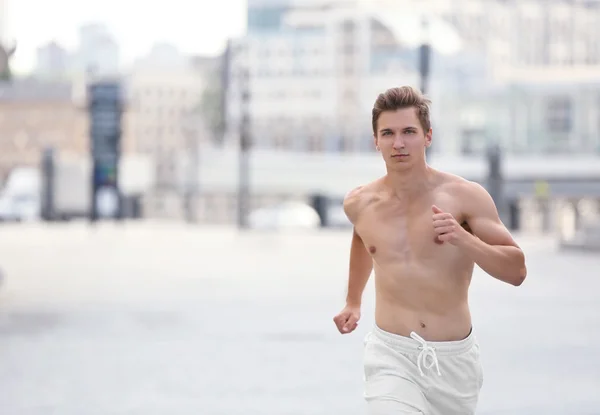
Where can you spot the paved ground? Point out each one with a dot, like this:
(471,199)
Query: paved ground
(162,319)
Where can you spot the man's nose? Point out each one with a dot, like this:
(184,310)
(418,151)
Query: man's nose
(398,142)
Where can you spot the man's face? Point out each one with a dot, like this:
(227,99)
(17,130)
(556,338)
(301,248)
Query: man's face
(401,139)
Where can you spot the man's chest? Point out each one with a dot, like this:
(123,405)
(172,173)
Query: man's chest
(406,231)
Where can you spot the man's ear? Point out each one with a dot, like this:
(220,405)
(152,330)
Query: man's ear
(428,138)
(375,141)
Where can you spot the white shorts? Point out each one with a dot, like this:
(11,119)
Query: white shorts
(406,375)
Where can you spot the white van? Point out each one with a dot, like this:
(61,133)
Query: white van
(20,198)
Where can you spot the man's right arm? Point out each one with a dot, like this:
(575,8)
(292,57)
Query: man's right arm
(361,263)
(361,266)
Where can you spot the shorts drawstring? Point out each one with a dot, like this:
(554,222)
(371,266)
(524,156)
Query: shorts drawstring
(426,351)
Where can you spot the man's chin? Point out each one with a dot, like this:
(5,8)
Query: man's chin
(399,166)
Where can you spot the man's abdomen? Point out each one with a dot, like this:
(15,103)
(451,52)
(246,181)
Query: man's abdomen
(431,304)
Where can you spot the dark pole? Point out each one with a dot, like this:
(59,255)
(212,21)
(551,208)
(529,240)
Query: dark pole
(225,68)
(48,167)
(424,60)
(244,156)
(495,179)
(424,56)
(191,132)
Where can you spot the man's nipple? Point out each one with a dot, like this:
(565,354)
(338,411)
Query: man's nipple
(372,249)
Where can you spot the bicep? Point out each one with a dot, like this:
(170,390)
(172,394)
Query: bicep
(491,231)
(357,242)
(484,221)
(359,254)
(350,206)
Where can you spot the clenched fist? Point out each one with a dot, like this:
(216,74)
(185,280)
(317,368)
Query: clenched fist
(447,229)
(347,320)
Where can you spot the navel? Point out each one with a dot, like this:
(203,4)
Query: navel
(372,249)
(423,325)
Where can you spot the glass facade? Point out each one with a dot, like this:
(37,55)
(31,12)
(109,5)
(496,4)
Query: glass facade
(265,19)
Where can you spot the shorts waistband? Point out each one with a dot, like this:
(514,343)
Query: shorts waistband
(412,346)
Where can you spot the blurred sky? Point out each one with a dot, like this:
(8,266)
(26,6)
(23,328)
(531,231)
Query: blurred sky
(193,26)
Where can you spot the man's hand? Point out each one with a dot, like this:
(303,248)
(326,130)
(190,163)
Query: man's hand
(347,320)
(447,229)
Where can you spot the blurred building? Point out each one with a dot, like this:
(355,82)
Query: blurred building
(518,33)
(97,52)
(165,90)
(543,76)
(37,114)
(52,62)
(316,67)
(561,117)
(542,61)
(34,115)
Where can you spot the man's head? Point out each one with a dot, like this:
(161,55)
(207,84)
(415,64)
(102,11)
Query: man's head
(401,125)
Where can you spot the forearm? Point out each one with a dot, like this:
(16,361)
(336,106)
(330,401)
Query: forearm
(356,284)
(506,263)
(361,266)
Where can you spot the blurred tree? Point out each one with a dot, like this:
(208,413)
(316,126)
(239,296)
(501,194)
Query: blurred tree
(5,54)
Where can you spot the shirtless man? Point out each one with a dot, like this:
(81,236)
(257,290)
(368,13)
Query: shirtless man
(422,231)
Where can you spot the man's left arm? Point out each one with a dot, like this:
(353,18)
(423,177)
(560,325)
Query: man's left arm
(491,245)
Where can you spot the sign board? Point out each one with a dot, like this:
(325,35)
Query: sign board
(105,109)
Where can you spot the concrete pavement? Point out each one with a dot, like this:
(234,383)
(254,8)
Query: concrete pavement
(167,319)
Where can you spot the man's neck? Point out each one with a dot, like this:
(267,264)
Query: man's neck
(409,182)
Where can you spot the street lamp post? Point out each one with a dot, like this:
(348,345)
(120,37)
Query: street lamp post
(424,56)
(191,134)
(495,179)
(424,60)
(244,150)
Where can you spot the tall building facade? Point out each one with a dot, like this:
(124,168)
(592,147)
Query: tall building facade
(543,62)
(314,73)
(52,61)
(98,51)
(316,67)
(36,114)
(165,92)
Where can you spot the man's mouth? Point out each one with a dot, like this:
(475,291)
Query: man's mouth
(400,155)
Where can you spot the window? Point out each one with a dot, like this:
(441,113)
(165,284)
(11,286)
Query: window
(348,67)
(265,18)
(596,134)
(315,143)
(558,114)
(348,26)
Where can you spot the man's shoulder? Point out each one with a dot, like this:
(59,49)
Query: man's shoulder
(362,192)
(360,197)
(461,187)
(472,195)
